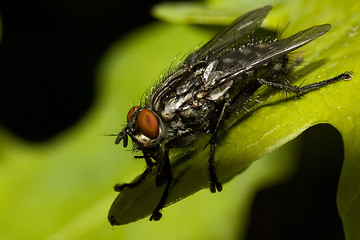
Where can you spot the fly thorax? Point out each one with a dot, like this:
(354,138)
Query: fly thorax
(220,92)
(173,105)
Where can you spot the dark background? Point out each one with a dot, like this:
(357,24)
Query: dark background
(48,54)
(305,206)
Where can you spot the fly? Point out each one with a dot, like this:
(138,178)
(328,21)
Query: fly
(210,85)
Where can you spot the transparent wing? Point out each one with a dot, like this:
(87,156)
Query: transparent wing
(265,52)
(241,27)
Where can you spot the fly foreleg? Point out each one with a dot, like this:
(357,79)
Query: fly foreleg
(164,174)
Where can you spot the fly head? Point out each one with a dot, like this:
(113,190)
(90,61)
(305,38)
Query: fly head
(144,127)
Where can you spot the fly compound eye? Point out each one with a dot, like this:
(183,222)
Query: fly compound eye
(148,124)
(131,112)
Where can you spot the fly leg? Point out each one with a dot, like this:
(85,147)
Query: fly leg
(309,87)
(164,174)
(215,185)
(149,165)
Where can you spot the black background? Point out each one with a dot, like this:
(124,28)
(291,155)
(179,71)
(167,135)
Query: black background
(305,206)
(48,54)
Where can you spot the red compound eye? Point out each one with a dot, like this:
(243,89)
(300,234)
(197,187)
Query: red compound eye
(131,112)
(148,124)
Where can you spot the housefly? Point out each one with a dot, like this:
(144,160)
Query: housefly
(207,87)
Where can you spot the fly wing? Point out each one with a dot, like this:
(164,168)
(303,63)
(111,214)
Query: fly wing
(263,53)
(240,28)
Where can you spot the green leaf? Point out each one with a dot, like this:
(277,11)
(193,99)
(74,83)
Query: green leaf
(63,189)
(210,12)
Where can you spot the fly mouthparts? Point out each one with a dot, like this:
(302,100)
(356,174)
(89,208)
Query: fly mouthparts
(122,136)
